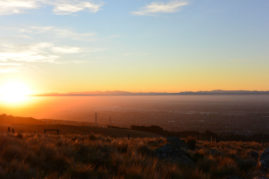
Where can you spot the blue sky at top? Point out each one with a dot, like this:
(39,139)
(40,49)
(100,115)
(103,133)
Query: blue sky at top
(222,38)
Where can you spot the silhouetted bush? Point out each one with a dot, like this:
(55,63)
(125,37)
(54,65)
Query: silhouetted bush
(154,129)
(191,142)
(246,164)
(79,156)
(145,150)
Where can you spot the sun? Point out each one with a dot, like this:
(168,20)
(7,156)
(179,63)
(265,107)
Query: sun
(14,92)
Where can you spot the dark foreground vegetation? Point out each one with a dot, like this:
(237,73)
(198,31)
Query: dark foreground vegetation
(74,151)
(207,135)
(95,156)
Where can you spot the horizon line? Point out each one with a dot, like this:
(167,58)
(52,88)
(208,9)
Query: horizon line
(128,93)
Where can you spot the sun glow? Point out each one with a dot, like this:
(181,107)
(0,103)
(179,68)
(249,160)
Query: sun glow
(14,92)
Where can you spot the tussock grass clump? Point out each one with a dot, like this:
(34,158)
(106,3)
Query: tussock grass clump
(97,156)
(191,142)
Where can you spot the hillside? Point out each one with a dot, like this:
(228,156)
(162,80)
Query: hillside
(87,151)
(38,155)
(31,125)
(12,120)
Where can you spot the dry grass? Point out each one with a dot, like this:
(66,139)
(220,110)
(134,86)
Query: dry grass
(97,156)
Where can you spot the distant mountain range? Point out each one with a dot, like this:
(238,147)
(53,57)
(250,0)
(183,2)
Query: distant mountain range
(126,93)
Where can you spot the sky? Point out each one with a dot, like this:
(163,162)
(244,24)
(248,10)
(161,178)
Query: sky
(135,45)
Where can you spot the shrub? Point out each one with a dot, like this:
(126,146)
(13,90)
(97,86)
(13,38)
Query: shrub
(11,152)
(83,156)
(191,142)
(122,148)
(93,137)
(144,150)
(246,164)
(19,135)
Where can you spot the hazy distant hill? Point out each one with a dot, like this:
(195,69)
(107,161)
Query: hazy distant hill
(126,93)
(10,120)
(14,120)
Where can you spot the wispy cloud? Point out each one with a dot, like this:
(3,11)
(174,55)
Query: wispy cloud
(27,47)
(56,32)
(30,46)
(17,6)
(40,52)
(161,7)
(60,7)
(64,8)
(9,67)
(14,57)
